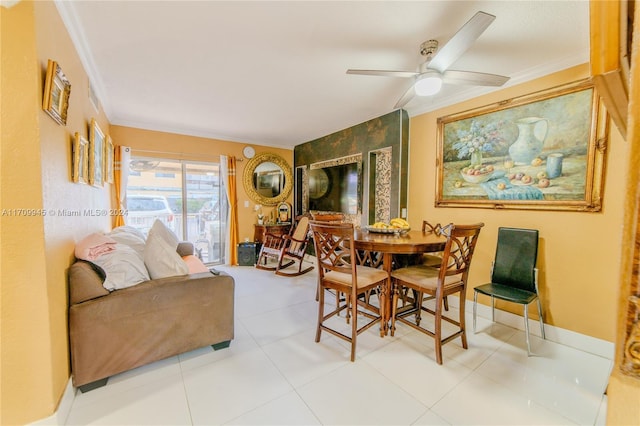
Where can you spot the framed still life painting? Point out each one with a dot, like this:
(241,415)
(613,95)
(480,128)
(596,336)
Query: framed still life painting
(542,151)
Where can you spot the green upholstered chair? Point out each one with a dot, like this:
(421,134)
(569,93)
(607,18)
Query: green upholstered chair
(514,276)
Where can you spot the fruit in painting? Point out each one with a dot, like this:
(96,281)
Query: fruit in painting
(544,183)
(542,175)
(536,161)
(458,184)
(526,179)
(501,186)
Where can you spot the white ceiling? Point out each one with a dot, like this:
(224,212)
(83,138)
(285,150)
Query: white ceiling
(273,72)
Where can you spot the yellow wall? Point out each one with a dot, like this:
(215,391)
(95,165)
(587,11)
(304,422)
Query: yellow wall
(579,252)
(36,174)
(169,145)
(579,256)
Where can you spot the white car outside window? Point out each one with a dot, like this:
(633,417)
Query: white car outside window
(143,210)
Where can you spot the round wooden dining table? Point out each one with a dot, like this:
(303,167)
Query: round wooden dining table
(388,244)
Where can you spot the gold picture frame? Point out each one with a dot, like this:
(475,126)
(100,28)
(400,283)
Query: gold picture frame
(57,89)
(80,156)
(96,154)
(108,160)
(542,151)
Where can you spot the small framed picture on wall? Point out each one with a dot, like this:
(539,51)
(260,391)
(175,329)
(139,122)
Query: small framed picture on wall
(57,89)
(96,154)
(80,155)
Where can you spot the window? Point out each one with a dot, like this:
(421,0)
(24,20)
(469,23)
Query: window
(185,196)
(165,175)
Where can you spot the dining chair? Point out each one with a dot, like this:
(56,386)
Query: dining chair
(427,259)
(338,271)
(286,250)
(450,278)
(514,276)
(327,217)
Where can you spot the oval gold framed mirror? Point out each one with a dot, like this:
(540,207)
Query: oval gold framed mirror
(268,179)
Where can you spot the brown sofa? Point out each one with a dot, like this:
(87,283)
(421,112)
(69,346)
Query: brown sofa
(112,332)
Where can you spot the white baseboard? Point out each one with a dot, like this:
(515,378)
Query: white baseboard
(59,417)
(559,335)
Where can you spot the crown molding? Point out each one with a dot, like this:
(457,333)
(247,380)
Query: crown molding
(78,38)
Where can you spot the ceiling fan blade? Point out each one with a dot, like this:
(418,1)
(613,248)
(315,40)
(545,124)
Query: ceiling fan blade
(461,41)
(384,73)
(408,95)
(475,78)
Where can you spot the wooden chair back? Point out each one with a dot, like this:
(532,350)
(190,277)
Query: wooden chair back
(332,253)
(458,251)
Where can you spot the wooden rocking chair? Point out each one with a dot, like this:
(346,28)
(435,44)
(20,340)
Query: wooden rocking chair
(286,250)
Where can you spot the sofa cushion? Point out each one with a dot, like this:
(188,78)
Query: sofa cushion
(160,256)
(123,267)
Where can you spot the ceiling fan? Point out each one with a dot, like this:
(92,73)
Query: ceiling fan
(434,71)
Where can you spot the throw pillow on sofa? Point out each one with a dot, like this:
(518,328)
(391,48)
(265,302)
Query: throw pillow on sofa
(123,268)
(160,256)
(194,264)
(130,236)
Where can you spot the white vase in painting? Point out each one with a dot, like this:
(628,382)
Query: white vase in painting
(532,132)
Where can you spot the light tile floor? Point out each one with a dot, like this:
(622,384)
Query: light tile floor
(274,373)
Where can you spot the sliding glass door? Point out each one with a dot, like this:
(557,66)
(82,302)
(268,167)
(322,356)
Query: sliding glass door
(184,195)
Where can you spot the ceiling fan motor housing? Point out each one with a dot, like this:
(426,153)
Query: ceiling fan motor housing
(428,48)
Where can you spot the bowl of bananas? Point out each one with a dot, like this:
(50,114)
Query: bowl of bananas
(395,226)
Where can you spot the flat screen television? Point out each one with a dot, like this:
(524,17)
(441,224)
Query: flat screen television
(335,188)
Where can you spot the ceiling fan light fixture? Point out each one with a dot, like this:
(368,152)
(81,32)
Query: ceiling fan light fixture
(428,84)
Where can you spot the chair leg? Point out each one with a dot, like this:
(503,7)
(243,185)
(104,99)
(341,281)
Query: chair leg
(383,302)
(354,326)
(438,329)
(526,328)
(493,310)
(541,319)
(446,304)
(394,307)
(320,311)
(419,308)
(463,326)
(348,301)
(475,307)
